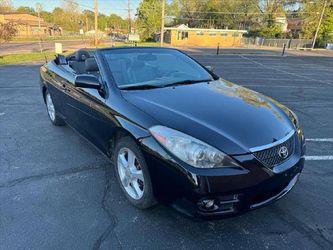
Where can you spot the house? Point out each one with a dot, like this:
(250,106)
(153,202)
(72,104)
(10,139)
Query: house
(28,25)
(182,35)
(295,25)
(282,22)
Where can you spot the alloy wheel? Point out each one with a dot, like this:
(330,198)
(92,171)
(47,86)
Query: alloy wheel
(130,173)
(50,107)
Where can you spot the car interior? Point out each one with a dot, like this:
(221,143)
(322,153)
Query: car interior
(83,62)
(129,69)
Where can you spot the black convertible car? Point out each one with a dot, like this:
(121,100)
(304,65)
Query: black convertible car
(175,131)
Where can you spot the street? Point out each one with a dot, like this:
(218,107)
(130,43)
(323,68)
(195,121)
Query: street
(58,192)
(26,47)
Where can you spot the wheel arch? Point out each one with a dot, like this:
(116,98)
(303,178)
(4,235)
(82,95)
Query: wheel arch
(44,88)
(125,128)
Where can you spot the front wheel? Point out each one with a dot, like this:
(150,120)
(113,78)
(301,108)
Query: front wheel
(55,119)
(133,174)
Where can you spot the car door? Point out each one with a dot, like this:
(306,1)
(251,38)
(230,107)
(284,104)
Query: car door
(55,77)
(88,113)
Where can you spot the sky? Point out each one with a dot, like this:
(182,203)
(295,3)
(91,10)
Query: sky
(105,6)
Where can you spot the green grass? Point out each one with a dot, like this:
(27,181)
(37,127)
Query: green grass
(26,57)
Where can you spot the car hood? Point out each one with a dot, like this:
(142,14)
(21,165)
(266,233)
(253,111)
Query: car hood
(222,114)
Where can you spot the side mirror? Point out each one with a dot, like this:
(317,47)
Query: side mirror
(87,81)
(210,68)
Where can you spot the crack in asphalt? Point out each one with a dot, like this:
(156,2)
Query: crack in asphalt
(311,233)
(37,177)
(110,229)
(113,219)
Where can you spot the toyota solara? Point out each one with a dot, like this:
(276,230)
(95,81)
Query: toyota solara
(175,132)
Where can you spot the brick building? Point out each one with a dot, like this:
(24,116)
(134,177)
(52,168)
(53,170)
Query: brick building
(28,25)
(185,36)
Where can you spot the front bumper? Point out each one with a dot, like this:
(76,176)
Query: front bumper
(279,195)
(227,191)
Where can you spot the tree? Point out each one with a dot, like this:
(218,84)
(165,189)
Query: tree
(26,10)
(271,9)
(6,6)
(149,18)
(72,13)
(117,22)
(326,29)
(311,11)
(47,16)
(7,31)
(103,22)
(89,19)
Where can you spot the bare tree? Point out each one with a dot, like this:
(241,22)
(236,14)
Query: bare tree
(6,6)
(7,31)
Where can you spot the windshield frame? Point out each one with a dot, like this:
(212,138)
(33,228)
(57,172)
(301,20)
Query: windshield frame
(102,53)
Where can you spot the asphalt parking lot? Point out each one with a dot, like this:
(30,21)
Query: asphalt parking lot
(58,192)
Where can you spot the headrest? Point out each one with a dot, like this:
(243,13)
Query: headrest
(81,55)
(91,65)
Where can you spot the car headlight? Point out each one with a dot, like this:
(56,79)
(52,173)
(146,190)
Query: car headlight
(190,150)
(294,118)
(295,121)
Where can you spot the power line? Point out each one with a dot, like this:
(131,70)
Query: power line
(92,8)
(241,13)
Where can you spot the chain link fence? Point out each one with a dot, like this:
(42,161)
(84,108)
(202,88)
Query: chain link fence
(279,43)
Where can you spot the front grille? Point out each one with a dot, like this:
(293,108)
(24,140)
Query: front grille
(270,157)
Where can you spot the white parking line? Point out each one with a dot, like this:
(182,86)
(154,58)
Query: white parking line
(320,139)
(283,71)
(318,157)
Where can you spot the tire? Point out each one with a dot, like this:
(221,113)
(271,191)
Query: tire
(51,111)
(133,175)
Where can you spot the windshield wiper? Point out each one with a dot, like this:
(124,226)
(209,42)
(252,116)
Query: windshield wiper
(151,86)
(185,82)
(143,86)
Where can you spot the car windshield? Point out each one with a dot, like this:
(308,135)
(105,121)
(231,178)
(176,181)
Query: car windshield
(153,67)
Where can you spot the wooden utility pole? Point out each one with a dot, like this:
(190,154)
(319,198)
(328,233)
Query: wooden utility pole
(129,16)
(96,21)
(39,8)
(319,23)
(162,23)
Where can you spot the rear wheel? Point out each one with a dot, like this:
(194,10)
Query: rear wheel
(55,119)
(132,173)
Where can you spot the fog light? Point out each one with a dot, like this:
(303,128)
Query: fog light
(208,203)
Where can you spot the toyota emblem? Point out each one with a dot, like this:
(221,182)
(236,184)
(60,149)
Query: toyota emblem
(283,152)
